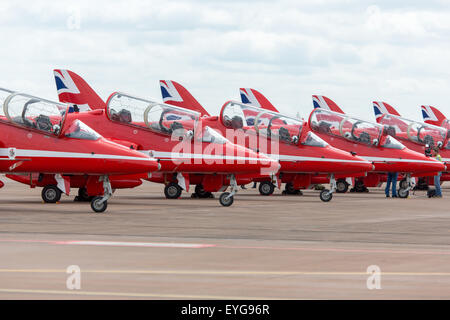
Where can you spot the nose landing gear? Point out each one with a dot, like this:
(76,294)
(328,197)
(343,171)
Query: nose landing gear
(100,203)
(226,199)
(326,195)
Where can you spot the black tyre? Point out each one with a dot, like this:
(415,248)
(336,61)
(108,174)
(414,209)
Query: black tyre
(51,194)
(172,191)
(201,193)
(98,206)
(326,195)
(289,189)
(342,186)
(266,188)
(83,196)
(403,184)
(226,200)
(403,193)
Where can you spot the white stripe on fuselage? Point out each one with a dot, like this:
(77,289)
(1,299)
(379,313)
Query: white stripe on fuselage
(175,155)
(382,159)
(62,154)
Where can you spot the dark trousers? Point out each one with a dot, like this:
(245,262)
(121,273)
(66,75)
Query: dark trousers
(392,178)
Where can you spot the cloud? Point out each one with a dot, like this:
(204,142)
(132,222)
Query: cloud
(352,51)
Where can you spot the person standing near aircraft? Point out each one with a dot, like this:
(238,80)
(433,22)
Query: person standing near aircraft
(437,178)
(391,178)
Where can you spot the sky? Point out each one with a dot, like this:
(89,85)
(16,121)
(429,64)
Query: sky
(353,52)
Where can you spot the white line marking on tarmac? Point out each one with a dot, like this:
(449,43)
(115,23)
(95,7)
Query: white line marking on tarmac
(139,244)
(231,273)
(219,246)
(117,243)
(132,294)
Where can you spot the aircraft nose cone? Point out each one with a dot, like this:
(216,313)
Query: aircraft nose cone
(349,163)
(252,162)
(426,164)
(124,160)
(265,164)
(434,165)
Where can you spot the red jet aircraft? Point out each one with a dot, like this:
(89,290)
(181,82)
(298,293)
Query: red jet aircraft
(189,151)
(368,140)
(301,153)
(39,138)
(416,135)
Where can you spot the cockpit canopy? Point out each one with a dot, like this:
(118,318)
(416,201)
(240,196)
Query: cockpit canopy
(446,124)
(4,93)
(42,115)
(414,131)
(33,112)
(341,125)
(158,117)
(271,124)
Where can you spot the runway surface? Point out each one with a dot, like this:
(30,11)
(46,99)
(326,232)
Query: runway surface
(276,247)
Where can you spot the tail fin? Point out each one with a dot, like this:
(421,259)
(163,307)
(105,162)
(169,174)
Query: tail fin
(326,103)
(175,94)
(254,97)
(380,108)
(432,115)
(73,89)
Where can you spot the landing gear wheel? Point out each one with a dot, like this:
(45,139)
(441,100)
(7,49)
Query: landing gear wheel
(359,187)
(225,199)
(266,188)
(289,189)
(51,194)
(403,193)
(201,193)
(98,206)
(83,196)
(172,191)
(341,186)
(403,184)
(326,195)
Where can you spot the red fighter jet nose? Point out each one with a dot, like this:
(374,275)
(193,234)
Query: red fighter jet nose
(345,162)
(357,164)
(123,160)
(243,160)
(262,163)
(415,162)
(430,165)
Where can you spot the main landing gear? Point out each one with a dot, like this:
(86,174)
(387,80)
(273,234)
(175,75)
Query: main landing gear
(342,186)
(100,203)
(359,187)
(172,191)
(83,196)
(201,193)
(266,188)
(289,189)
(51,194)
(227,198)
(326,195)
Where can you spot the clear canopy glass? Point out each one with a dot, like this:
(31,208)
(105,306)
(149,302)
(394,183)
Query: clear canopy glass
(418,132)
(212,136)
(271,124)
(159,117)
(392,143)
(446,124)
(4,93)
(338,124)
(34,112)
(80,130)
